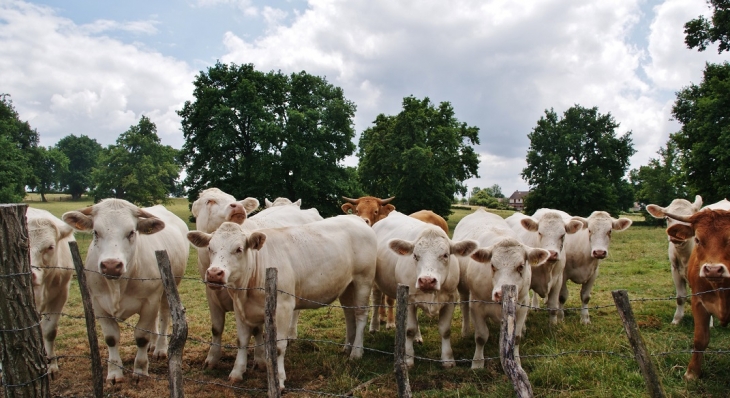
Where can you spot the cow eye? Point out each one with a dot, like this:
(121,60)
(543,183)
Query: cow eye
(520,268)
(494,269)
(417,257)
(697,241)
(239,249)
(94,235)
(210,202)
(130,235)
(50,247)
(445,256)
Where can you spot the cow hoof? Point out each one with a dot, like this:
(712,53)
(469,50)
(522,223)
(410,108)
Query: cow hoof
(115,379)
(159,355)
(53,372)
(676,321)
(585,321)
(690,376)
(235,379)
(390,325)
(449,364)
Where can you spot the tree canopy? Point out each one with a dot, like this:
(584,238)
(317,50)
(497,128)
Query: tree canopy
(83,153)
(48,168)
(700,32)
(704,112)
(260,134)
(578,164)
(421,156)
(19,145)
(138,168)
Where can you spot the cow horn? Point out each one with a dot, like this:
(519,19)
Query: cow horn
(678,217)
(353,201)
(386,201)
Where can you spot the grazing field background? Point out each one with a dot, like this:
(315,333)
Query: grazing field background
(566,360)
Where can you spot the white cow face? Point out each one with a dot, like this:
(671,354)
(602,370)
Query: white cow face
(600,225)
(281,202)
(511,263)
(431,253)
(115,225)
(214,207)
(44,237)
(230,249)
(680,207)
(551,230)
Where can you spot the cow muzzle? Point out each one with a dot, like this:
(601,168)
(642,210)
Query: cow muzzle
(236,213)
(427,284)
(599,254)
(497,295)
(553,255)
(215,278)
(714,272)
(111,269)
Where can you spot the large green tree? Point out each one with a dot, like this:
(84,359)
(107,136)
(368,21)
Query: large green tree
(19,148)
(704,140)
(578,164)
(661,181)
(48,168)
(267,135)
(138,168)
(700,32)
(83,154)
(421,156)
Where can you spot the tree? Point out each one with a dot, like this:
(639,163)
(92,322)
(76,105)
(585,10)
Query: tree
(83,154)
(577,163)
(661,181)
(495,191)
(704,112)
(138,168)
(49,166)
(19,145)
(700,32)
(421,156)
(275,135)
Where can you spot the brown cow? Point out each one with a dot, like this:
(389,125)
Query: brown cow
(430,217)
(369,208)
(707,271)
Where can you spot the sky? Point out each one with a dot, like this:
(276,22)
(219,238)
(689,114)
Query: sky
(94,68)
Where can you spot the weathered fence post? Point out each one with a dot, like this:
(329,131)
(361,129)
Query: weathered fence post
(24,364)
(401,368)
(511,367)
(272,370)
(179,326)
(653,384)
(97,372)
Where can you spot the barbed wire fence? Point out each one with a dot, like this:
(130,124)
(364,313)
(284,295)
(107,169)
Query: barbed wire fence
(21,382)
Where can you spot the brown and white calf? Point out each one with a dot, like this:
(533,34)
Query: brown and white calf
(214,207)
(547,230)
(500,260)
(123,275)
(422,256)
(317,263)
(52,268)
(708,273)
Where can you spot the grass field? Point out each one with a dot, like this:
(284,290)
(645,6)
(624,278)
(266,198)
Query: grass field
(567,360)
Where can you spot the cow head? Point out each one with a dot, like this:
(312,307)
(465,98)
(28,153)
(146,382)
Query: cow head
(230,248)
(679,207)
(551,230)
(281,202)
(213,207)
(711,232)
(599,226)
(44,236)
(115,225)
(511,263)
(369,208)
(431,254)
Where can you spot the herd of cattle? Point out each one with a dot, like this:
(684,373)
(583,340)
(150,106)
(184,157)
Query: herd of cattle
(351,258)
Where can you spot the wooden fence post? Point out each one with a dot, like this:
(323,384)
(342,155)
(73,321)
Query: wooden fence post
(272,369)
(24,363)
(653,384)
(97,372)
(511,367)
(401,368)
(179,326)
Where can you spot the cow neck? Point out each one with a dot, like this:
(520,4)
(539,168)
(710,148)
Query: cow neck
(257,275)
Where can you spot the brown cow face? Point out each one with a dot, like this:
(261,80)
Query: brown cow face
(711,232)
(369,208)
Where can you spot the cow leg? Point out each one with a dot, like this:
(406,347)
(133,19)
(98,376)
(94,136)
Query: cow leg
(465,313)
(378,303)
(110,329)
(163,320)
(701,339)
(535,301)
(347,301)
(411,329)
(481,334)
(243,332)
(553,301)
(680,284)
(390,324)
(217,324)
(563,298)
(293,325)
(148,321)
(358,317)
(49,328)
(283,318)
(446,315)
(585,297)
(520,329)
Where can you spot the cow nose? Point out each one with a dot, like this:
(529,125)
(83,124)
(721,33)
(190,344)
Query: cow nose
(427,283)
(112,268)
(215,275)
(599,254)
(367,221)
(34,278)
(553,255)
(713,271)
(237,214)
(498,295)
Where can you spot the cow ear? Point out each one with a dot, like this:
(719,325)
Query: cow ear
(582,220)
(529,224)
(697,205)
(621,224)
(256,240)
(195,208)
(401,247)
(574,226)
(347,208)
(387,209)
(64,231)
(537,256)
(680,232)
(463,248)
(298,203)
(149,226)
(199,239)
(482,255)
(249,204)
(267,203)
(657,211)
(78,220)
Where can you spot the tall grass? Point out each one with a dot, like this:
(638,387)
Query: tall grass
(566,360)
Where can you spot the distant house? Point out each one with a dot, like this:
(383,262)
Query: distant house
(517,200)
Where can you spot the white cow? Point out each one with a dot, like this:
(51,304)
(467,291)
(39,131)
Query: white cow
(317,263)
(123,275)
(281,202)
(583,252)
(500,260)
(214,207)
(680,250)
(52,268)
(422,256)
(547,230)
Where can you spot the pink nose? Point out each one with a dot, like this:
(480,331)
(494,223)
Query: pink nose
(427,283)
(215,275)
(599,254)
(112,268)
(713,271)
(553,255)
(236,213)
(498,296)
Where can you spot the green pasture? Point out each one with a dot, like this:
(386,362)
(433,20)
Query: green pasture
(567,360)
